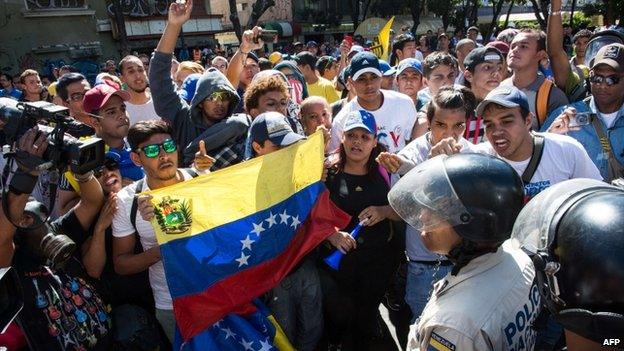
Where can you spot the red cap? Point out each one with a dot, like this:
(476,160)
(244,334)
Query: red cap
(500,45)
(98,96)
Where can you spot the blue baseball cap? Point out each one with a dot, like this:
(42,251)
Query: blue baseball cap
(361,119)
(386,69)
(364,62)
(187,91)
(507,96)
(273,126)
(409,63)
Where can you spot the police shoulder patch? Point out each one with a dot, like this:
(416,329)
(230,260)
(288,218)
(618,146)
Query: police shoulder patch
(438,343)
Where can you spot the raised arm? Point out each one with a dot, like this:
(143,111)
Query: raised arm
(554,46)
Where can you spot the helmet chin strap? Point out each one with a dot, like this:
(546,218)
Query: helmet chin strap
(465,252)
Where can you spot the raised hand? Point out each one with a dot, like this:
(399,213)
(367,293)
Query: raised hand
(448,146)
(251,40)
(179,12)
(202,161)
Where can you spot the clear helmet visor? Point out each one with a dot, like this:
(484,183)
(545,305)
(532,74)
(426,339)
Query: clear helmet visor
(532,227)
(425,197)
(596,44)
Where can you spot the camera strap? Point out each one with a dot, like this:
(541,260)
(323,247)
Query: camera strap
(536,157)
(615,169)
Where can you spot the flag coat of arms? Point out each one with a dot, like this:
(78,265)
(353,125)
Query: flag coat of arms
(229,236)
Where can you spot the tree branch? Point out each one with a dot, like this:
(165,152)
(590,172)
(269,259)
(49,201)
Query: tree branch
(257,10)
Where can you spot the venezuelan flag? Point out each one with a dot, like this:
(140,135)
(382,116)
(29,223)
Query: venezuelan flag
(230,236)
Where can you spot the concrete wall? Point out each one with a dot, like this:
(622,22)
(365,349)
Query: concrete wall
(29,38)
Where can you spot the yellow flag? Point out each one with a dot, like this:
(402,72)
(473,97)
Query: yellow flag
(381,43)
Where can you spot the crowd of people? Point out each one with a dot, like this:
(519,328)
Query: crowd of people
(487,125)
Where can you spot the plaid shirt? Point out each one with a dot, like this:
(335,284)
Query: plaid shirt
(229,154)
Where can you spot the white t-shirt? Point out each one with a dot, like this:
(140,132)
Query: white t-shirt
(417,151)
(143,112)
(563,158)
(419,56)
(395,119)
(609,118)
(413,154)
(122,227)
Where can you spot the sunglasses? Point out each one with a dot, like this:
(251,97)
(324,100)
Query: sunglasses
(219,96)
(608,80)
(153,150)
(109,164)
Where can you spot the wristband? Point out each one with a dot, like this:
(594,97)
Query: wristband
(83,178)
(22,183)
(555,13)
(242,52)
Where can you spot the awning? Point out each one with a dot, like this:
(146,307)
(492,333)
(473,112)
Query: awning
(284,29)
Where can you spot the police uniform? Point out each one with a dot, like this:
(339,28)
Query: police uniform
(489,305)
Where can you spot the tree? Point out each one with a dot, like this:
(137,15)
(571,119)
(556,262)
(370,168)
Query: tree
(358,9)
(540,9)
(443,9)
(120,23)
(257,10)
(497,7)
(415,7)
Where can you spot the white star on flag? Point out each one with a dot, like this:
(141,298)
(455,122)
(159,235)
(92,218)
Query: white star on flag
(228,333)
(246,345)
(295,222)
(257,228)
(242,261)
(271,219)
(266,346)
(247,243)
(284,217)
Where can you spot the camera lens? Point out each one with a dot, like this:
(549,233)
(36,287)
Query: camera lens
(57,248)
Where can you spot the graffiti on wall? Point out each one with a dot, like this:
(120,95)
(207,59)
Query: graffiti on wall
(141,8)
(55,4)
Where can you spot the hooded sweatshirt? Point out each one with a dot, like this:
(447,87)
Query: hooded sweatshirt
(187,120)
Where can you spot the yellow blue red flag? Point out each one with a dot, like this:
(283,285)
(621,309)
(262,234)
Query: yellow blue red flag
(230,236)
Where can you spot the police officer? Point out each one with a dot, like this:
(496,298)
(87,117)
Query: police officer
(464,207)
(574,232)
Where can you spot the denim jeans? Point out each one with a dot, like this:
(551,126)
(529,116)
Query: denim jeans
(419,285)
(167,322)
(296,304)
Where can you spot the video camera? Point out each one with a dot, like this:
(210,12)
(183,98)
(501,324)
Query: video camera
(65,150)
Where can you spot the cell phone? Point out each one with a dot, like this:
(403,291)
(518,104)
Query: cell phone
(581,119)
(268,35)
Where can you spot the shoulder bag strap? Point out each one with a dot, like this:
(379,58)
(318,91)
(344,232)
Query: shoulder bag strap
(536,157)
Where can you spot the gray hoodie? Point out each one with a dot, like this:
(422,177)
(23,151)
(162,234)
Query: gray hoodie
(187,121)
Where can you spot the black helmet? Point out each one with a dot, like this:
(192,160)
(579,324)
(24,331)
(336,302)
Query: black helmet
(574,232)
(600,39)
(479,195)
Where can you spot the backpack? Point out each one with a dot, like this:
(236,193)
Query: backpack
(541,102)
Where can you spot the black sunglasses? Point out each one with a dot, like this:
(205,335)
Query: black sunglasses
(608,80)
(109,164)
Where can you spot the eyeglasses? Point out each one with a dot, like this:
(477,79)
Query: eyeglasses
(219,96)
(608,80)
(76,97)
(109,164)
(153,150)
